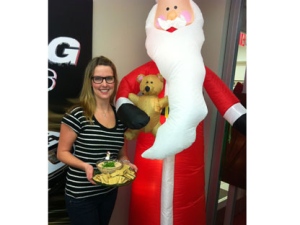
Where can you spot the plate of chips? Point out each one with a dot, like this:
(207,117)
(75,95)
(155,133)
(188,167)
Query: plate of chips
(120,177)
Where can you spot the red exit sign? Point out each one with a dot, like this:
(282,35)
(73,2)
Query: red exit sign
(242,40)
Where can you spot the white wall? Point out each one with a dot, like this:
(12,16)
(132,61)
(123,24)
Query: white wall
(119,34)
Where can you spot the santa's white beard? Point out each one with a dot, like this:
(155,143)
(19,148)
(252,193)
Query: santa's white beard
(178,58)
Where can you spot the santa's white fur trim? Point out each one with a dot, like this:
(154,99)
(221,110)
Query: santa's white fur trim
(121,101)
(234,112)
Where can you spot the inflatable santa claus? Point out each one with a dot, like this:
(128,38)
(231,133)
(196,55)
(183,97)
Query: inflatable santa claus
(170,186)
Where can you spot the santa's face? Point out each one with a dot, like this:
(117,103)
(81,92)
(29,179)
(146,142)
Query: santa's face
(173,14)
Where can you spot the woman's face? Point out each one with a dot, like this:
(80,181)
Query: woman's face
(103,88)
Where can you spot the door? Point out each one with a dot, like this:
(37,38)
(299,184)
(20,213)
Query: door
(236,25)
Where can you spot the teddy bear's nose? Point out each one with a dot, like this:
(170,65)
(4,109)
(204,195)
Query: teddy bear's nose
(147,88)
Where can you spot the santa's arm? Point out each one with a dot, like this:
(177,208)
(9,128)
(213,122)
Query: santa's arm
(226,102)
(129,114)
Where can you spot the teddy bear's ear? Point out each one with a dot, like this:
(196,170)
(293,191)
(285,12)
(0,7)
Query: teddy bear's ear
(160,77)
(140,78)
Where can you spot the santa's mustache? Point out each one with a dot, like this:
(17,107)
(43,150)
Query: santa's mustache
(176,23)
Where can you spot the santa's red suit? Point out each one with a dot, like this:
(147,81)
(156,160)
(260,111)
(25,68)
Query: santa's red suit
(173,195)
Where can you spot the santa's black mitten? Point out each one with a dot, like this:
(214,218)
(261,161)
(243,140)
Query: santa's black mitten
(132,116)
(240,124)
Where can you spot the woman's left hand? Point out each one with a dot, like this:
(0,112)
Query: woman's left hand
(133,166)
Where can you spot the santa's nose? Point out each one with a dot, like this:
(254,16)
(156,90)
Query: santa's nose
(172,15)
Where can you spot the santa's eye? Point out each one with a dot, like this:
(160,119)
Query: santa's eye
(175,7)
(167,8)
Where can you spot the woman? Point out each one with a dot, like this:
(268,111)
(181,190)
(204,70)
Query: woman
(94,129)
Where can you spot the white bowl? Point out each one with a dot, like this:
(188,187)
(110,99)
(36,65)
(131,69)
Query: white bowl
(109,166)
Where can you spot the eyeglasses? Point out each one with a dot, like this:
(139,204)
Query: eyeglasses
(99,80)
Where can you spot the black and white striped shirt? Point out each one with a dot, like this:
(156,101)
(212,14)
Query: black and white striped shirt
(92,143)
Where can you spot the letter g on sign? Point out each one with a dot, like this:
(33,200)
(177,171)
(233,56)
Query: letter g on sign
(68,54)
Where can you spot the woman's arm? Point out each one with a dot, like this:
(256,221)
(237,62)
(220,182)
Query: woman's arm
(66,140)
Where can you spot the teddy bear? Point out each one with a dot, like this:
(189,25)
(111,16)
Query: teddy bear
(148,101)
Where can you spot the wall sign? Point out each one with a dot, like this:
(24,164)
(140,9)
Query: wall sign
(69,50)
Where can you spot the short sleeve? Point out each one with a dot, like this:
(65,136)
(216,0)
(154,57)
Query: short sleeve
(73,119)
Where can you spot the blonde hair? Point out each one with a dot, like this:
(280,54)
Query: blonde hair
(87,98)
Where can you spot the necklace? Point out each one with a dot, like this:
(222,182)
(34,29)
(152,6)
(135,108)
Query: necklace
(103,112)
